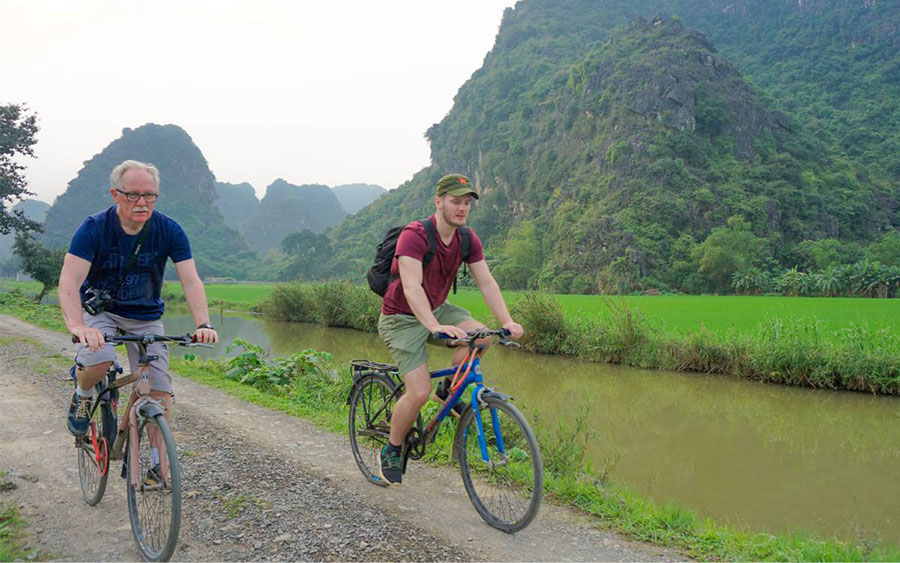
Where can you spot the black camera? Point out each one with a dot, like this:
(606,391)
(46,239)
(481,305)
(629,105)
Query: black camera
(96,300)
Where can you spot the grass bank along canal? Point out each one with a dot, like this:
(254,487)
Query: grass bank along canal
(765,457)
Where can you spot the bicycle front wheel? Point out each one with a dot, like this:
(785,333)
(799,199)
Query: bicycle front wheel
(93,462)
(503,476)
(154,505)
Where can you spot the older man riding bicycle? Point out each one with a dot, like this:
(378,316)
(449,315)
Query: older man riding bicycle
(112,280)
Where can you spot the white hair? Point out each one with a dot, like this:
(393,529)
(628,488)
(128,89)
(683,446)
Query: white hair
(115,179)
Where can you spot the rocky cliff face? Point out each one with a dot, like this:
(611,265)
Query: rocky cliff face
(187,194)
(287,208)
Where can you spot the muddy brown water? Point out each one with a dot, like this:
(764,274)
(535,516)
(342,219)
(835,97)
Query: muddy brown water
(757,456)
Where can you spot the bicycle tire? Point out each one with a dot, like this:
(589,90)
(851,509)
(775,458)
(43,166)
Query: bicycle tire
(92,478)
(155,512)
(507,496)
(371,405)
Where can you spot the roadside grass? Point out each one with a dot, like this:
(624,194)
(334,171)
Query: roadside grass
(17,304)
(319,394)
(12,535)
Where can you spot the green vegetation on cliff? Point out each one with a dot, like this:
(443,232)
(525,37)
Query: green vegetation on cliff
(616,154)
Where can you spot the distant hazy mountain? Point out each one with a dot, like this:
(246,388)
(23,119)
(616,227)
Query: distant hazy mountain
(236,202)
(187,194)
(354,197)
(33,209)
(287,208)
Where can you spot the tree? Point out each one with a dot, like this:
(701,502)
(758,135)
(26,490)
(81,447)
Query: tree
(41,263)
(521,257)
(306,252)
(17,136)
(886,250)
(726,250)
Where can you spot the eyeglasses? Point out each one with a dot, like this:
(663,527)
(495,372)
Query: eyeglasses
(132,196)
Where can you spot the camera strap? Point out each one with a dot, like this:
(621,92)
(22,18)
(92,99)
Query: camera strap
(132,258)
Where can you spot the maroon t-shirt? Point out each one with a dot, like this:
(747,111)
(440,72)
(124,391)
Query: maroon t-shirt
(438,275)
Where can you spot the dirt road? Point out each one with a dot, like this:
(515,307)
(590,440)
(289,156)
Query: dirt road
(258,485)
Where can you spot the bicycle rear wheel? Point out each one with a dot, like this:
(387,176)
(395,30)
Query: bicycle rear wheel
(154,507)
(507,489)
(93,463)
(371,406)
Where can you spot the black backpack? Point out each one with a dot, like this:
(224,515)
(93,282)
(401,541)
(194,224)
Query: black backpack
(379,275)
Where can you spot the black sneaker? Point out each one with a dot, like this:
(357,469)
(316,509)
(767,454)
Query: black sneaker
(390,467)
(153,477)
(79,417)
(442,393)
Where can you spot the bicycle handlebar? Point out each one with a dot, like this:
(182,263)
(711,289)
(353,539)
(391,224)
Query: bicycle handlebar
(474,335)
(185,340)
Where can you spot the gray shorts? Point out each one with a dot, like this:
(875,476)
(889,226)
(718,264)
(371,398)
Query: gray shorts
(107,323)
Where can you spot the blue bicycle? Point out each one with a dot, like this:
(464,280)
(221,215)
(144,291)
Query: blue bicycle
(497,453)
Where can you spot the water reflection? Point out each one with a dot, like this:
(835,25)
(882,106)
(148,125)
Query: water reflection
(765,457)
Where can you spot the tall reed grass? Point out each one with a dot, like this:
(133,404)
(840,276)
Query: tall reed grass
(340,304)
(795,352)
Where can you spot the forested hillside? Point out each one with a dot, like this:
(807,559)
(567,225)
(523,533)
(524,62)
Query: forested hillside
(616,154)
(187,194)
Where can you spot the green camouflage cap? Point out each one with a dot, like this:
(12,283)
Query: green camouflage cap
(456,185)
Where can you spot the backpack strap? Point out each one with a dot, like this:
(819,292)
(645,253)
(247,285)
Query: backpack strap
(465,245)
(465,242)
(432,241)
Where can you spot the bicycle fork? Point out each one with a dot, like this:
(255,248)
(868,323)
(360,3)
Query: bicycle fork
(477,406)
(144,400)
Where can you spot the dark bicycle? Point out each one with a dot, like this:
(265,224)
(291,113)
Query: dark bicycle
(497,452)
(153,489)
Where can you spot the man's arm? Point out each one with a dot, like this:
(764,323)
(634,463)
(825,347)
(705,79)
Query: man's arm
(493,298)
(195,295)
(72,275)
(411,278)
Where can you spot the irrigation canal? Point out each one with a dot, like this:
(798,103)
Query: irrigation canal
(759,456)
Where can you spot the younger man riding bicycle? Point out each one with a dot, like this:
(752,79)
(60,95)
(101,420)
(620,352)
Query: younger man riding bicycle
(415,307)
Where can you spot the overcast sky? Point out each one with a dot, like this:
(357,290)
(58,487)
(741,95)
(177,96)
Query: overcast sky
(328,91)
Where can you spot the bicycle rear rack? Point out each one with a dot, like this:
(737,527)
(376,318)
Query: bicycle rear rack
(362,368)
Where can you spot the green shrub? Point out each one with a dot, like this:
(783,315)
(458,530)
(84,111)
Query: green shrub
(347,305)
(546,329)
(292,302)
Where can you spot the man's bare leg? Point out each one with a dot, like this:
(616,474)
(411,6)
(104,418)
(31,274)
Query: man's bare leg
(418,389)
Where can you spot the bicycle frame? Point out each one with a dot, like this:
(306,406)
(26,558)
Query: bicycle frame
(468,373)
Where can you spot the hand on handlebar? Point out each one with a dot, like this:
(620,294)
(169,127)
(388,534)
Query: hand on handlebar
(515,330)
(449,331)
(205,336)
(90,337)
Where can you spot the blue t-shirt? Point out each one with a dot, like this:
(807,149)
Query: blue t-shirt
(101,241)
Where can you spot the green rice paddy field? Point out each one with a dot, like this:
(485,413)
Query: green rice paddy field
(670,313)
(679,313)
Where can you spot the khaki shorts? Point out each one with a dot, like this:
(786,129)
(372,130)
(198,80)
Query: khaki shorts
(406,337)
(107,323)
